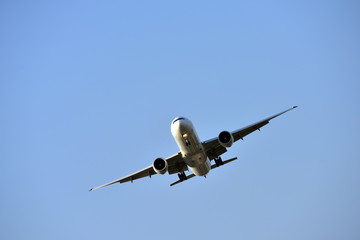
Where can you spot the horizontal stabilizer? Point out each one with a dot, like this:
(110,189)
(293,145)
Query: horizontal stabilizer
(179,181)
(224,162)
(212,167)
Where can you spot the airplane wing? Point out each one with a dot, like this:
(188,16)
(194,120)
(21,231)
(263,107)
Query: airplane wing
(175,165)
(213,147)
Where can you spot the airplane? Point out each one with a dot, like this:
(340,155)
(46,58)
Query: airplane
(194,155)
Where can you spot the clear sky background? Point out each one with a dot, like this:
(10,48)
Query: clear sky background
(88,90)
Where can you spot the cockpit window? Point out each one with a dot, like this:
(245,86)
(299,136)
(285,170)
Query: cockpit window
(177,119)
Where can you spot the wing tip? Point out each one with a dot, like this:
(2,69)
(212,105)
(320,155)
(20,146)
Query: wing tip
(94,188)
(295,106)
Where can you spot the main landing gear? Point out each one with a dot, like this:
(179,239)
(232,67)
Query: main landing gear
(182,176)
(218,161)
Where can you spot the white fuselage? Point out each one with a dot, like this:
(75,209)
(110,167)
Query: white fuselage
(190,146)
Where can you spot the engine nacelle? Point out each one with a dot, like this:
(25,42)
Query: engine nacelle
(160,166)
(226,139)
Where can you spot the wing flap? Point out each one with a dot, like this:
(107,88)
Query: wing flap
(176,164)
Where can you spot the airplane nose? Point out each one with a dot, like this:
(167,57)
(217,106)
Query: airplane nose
(179,125)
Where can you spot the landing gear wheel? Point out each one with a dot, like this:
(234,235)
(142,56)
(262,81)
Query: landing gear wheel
(182,176)
(218,161)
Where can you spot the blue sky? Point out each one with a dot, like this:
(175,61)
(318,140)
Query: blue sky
(88,90)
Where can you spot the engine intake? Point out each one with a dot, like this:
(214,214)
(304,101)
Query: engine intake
(226,139)
(160,166)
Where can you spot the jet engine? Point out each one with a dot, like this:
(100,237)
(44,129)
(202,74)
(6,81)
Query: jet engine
(160,166)
(226,139)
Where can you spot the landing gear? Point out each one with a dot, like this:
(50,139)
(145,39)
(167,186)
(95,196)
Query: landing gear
(182,176)
(218,161)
